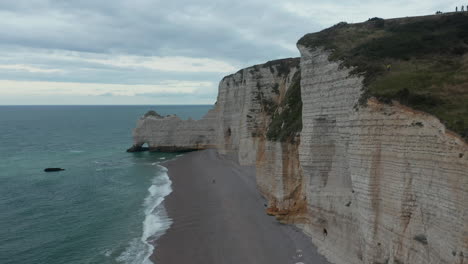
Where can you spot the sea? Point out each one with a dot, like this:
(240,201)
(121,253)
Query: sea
(106,207)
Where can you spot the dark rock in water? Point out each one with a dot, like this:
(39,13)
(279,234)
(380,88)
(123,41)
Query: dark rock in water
(53,169)
(136,148)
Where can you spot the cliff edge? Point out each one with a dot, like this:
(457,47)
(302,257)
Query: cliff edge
(350,143)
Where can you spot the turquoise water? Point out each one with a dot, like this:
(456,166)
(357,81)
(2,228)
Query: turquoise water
(102,208)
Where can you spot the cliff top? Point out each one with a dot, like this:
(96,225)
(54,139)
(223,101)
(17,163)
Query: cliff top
(152,113)
(281,66)
(422,62)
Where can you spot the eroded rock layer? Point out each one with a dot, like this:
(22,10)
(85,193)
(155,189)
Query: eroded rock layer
(385,184)
(380,183)
(171,133)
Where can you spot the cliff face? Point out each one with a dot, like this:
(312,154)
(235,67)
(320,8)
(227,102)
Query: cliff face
(238,126)
(171,133)
(380,183)
(385,183)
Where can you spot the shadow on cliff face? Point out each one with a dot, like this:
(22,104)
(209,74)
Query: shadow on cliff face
(291,207)
(323,143)
(275,124)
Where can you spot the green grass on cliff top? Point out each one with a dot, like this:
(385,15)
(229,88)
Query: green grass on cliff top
(428,58)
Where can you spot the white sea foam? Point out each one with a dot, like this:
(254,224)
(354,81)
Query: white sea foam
(76,151)
(156,221)
(107,252)
(163,158)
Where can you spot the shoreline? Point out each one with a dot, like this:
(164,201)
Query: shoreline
(218,216)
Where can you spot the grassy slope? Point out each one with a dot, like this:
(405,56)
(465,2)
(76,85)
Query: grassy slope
(428,58)
(286,124)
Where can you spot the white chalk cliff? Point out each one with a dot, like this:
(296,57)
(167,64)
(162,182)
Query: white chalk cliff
(370,184)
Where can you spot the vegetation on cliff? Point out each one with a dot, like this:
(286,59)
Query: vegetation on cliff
(287,119)
(152,113)
(282,66)
(422,62)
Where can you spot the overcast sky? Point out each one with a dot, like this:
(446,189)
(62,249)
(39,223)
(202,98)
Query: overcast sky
(158,52)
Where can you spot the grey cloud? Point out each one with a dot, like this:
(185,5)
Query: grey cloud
(221,29)
(239,32)
(246,31)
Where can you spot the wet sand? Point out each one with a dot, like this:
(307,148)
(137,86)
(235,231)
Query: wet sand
(219,217)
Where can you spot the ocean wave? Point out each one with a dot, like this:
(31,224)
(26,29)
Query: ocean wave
(76,151)
(156,221)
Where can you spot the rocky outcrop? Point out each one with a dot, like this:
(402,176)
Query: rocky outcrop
(380,183)
(245,104)
(171,134)
(53,169)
